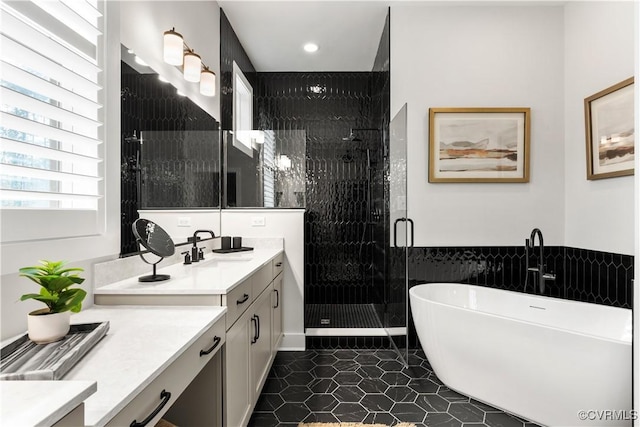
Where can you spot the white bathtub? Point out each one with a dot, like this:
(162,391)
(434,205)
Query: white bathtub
(544,359)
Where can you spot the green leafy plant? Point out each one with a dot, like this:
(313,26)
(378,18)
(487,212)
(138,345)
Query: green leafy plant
(55,282)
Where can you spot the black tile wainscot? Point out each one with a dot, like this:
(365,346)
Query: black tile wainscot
(581,274)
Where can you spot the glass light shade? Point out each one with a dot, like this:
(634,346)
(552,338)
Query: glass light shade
(311,47)
(173,48)
(208,82)
(192,67)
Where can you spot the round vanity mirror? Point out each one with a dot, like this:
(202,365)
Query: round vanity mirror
(153,238)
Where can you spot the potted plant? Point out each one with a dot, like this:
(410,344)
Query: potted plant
(52,323)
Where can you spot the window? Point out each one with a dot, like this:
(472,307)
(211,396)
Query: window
(50,115)
(242,112)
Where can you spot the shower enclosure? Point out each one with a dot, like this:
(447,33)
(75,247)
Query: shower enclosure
(343,207)
(359,238)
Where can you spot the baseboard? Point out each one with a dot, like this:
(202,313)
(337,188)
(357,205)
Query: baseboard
(292,342)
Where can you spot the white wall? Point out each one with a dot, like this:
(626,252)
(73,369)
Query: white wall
(481,56)
(143,24)
(599,52)
(287,223)
(199,220)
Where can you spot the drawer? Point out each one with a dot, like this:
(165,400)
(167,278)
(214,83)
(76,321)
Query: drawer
(278,264)
(153,401)
(262,278)
(238,300)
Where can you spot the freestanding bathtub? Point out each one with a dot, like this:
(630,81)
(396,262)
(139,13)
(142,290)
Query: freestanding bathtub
(544,359)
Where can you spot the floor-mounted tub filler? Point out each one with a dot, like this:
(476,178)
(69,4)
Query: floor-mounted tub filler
(555,362)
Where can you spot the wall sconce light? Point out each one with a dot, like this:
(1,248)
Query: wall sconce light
(176,52)
(173,47)
(192,66)
(207,82)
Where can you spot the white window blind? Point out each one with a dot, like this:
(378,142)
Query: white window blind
(50,115)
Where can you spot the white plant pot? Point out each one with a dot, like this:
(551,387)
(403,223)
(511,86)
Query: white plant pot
(45,327)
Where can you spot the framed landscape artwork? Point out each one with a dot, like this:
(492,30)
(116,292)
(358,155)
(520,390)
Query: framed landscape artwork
(609,117)
(479,144)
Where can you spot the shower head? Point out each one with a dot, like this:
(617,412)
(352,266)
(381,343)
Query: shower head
(351,137)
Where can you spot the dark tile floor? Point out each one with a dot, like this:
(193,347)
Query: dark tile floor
(370,386)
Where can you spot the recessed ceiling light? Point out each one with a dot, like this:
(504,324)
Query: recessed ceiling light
(310,47)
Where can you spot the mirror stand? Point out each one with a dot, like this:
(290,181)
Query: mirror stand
(153,277)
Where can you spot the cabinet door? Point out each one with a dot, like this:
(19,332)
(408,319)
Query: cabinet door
(261,342)
(277,312)
(238,396)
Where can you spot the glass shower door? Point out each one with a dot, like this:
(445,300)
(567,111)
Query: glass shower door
(401,237)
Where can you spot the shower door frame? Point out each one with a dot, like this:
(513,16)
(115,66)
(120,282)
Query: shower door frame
(397,277)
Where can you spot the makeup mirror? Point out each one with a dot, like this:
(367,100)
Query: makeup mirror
(154,239)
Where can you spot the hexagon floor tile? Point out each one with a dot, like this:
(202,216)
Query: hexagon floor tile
(366,386)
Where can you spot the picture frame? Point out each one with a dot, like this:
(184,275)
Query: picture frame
(609,131)
(479,144)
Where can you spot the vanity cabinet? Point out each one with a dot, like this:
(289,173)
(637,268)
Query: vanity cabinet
(261,347)
(73,418)
(252,344)
(250,287)
(277,333)
(163,392)
(237,380)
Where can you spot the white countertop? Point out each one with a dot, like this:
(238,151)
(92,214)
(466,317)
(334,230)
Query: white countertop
(140,344)
(218,274)
(40,403)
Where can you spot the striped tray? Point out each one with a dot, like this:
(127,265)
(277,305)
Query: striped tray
(25,360)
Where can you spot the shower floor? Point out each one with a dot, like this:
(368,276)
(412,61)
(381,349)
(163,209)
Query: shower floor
(341,316)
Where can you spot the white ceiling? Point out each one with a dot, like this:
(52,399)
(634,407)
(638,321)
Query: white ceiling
(274,32)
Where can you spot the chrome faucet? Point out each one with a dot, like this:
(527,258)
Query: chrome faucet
(196,253)
(530,244)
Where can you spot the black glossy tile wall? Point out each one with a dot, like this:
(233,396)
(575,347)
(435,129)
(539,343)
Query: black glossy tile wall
(599,277)
(381,84)
(177,165)
(581,275)
(130,147)
(339,175)
(340,193)
(231,50)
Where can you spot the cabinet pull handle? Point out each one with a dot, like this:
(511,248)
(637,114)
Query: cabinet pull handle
(277,298)
(255,329)
(165,396)
(216,341)
(258,337)
(279,264)
(244,299)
